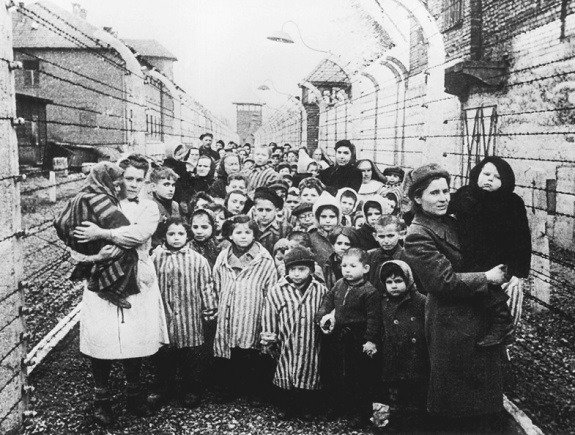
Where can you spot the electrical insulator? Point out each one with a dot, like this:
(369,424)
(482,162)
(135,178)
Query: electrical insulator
(18,121)
(28,362)
(14,65)
(29,414)
(25,336)
(28,389)
(26,310)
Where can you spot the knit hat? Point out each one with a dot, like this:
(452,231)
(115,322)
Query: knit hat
(418,177)
(394,170)
(302,208)
(299,256)
(270,195)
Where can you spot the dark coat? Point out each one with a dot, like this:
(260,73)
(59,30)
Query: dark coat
(492,226)
(404,350)
(332,271)
(167,209)
(321,247)
(366,241)
(465,380)
(337,177)
(184,185)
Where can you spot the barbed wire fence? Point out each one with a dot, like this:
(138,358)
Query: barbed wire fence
(527,120)
(43,305)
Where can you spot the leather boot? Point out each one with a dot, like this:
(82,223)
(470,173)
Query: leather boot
(103,407)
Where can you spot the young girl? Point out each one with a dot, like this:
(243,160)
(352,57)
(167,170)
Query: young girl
(220,215)
(405,360)
(288,325)
(185,281)
(493,229)
(327,214)
(373,208)
(351,312)
(203,225)
(243,274)
(341,238)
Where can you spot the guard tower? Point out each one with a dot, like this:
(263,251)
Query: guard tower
(249,119)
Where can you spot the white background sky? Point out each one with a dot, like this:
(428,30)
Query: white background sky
(221,45)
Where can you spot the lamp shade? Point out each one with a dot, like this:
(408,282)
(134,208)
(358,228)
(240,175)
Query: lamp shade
(281,36)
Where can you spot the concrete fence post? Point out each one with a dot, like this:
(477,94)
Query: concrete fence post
(52,182)
(12,341)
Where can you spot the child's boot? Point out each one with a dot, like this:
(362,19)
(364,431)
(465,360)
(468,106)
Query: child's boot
(103,407)
(501,330)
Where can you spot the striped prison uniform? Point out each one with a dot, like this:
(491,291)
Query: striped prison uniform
(288,319)
(260,176)
(186,285)
(241,299)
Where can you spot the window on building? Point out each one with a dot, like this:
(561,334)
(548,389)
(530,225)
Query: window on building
(452,13)
(31,71)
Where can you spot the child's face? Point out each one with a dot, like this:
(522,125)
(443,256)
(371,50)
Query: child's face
(327,219)
(248,165)
(313,170)
(347,204)
(236,185)
(264,211)
(288,181)
(201,228)
(284,171)
(165,188)
(202,203)
(395,286)
(220,218)
(372,214)
(341,245)
(387,237)
(489,178)
(261,156)
(242,236)
(352,269)
(299,273)
(176,236)
(388,206)
(309,195)
(305,220)
(359,222)
(236,203)
(292,157)
(292,201)
(392,178)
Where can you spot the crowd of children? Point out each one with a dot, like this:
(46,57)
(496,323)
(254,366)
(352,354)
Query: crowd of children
(283,283)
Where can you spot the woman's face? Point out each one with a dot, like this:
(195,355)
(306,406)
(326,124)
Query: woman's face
(366,172)
(133,181)
(343,156)
(435,198)
(203,168)
(316,155)
(193,157)
(232,165)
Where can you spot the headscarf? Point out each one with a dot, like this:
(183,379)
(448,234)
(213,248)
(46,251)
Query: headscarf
(221,173)
(505,172)
(376,174)
(101,180)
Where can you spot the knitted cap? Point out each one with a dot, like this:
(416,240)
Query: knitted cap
(418,177)
(299,256)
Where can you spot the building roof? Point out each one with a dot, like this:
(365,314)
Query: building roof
(328,72)
(45,25)
(149,48)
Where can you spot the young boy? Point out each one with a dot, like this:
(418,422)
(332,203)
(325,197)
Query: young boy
(372,210)
(393,176)
(351,312)
(163,186)
(327,213)
(186,285)
(292,200)
(405,360)
(347,200)
(284,168)
(310,190)
(262,174)
(290,335)
(388,235)
(303,216)
(342,239)
(239,182)
(493,229)
(266,207)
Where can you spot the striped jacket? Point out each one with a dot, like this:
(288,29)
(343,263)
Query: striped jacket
(241,300)
(260,176)
(187,289)
(288,319)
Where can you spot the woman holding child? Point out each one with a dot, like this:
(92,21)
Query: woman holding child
(466,385)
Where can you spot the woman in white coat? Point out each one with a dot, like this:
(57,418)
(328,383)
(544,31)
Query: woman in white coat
(109,333)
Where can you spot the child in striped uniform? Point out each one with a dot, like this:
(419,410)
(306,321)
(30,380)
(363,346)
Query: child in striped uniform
(262,174)
(288,324)
(243,274)
(186,286)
